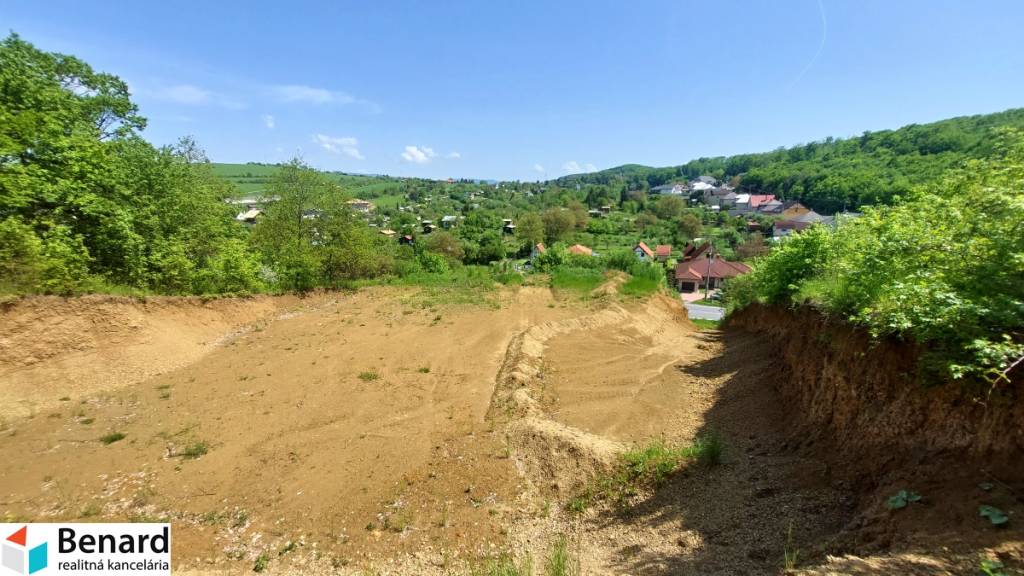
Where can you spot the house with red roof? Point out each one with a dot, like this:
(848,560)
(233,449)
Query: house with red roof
(538,250)
(701,268)
(580,250)
(643,251)
(662,252)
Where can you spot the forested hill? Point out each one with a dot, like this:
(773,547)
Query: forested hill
(833,173)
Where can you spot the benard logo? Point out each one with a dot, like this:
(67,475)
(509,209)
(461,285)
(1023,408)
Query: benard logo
(18,557)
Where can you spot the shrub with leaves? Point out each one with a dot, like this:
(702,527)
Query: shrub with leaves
(944,268)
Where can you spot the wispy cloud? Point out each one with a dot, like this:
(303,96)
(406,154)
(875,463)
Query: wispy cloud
(454,156)
(311,95)
(418,154)
(346,145)
(539,168)
(821,47)
(268,121)
(186,95)
(574,167)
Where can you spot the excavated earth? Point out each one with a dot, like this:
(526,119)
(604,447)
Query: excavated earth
(386,432)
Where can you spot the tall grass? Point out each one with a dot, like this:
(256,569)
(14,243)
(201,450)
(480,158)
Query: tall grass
(650,465)
(504,565)
(561,561)
(576,279)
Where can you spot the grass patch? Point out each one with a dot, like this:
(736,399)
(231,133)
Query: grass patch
(504,565)
(112,437)
(369,376)
(560,561)
(583,280)
(261,563)
(647,466)
(195,450)
(460,286)
(91,509)
(424,370)
(639,286)
(706,324)
(644,280)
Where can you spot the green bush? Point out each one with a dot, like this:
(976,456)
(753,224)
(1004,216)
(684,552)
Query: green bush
(945,268)
(645,278)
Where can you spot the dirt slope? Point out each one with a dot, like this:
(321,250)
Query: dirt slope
(107,342)
(355,427)
(379,432)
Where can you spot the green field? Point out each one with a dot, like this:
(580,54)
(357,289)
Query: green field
(253,178)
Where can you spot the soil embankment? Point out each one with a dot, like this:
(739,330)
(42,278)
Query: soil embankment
(859,405)
(52,347)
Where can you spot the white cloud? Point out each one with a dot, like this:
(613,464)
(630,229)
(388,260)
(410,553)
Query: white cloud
(268,121)
(309,94)
(346,145)
(184,94)
(574,167)
(539,168)
(454,155)
(418,154)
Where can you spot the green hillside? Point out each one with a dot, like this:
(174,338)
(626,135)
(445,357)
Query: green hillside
(252,177)
(832,173)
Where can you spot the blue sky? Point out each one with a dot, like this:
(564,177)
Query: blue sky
(527,90)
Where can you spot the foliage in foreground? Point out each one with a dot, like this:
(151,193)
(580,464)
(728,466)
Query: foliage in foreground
(944,269)
(561,561)
(504,565)
(648,466)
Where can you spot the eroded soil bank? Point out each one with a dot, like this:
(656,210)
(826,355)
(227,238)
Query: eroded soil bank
(858,406)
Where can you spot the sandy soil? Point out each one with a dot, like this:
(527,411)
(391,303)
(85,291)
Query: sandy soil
(352,427)
(366,432)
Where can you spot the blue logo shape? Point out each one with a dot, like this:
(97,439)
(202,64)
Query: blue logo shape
(37,558)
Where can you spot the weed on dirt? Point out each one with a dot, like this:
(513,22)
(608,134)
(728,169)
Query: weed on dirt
(112,437)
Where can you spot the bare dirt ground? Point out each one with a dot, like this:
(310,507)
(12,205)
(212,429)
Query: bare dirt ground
(377,432)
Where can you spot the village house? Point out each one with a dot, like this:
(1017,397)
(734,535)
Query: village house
(507,227)
(663,252)
(771,207)
(449,222)
(676,189)
(249,216)
(580,250)
(701,268)
(643,252)
(537,250)
(791,210)
(388,232)
(783,228)
(428,226)
(405,240)
(363,206)
(702,187)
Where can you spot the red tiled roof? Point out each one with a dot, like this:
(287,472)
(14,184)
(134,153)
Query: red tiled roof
(664,250)
(645,249)
(692,252)
(758,199)
(581,250)
(698,269)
